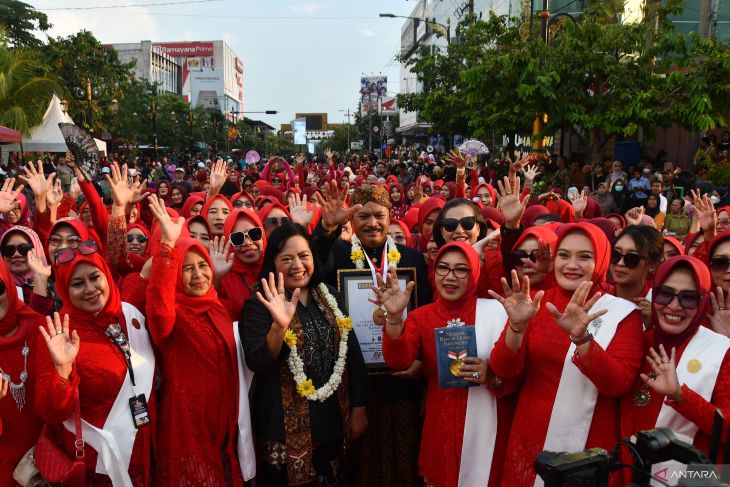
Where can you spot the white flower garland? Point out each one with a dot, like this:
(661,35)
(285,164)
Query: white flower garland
(357,255)
(305,387)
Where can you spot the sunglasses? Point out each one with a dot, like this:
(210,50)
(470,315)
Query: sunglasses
(276,222)
(55,240)
(242,203)
(254,234)
(67,254)
(276,181)
(8,250)
(450,224)
(139,238)
(518,255)
(717,264)
(687,299)
(443,270)
(631,259)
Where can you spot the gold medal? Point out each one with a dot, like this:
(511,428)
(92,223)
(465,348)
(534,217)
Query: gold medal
(379,316)
(455,368)
(694,366)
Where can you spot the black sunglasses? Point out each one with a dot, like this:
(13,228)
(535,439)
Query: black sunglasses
(242,203)
(518,255)
(139,238)
(275,222)
(9,250)
(276,181)
(687,299)
(254,234)
(67,254)
(450,224)
(717,264)
(631,259)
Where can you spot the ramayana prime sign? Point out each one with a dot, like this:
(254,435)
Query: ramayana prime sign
(186,49)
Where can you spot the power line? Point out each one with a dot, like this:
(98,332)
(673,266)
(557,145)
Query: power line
(97,7)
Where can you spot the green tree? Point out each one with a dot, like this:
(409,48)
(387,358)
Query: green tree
(20,20)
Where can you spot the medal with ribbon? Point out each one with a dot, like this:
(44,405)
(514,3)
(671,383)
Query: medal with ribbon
(457,362)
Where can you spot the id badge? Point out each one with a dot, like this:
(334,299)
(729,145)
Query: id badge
(140,413)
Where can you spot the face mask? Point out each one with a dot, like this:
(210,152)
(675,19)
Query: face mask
(618,188)
(647,170)
(715,199)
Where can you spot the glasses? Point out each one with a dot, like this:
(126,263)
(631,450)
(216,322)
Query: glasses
(242,204)
(518,255)
(67,254)
(139,238)
(723,221)
(276,222)
(467,223)
(717,264)
(631,259)
(443,270)
(239,238)
(687,299)
(57,241)
(9,250)
(401,239)
(276,181)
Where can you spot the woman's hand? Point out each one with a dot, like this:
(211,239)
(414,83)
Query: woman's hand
(413,372)
(664,380)
(518,304)
(531,172)
(329,154)
(219,256)
(299,210)
(579,203)
(170,230)
(509,202)
(37,266)
(36,180)
(3,387)
(720,317)
(394,299)
(122,190)
(480,244)
(217,177)
(54,196)
(474,370)
(645,309)
(705,214)
(456,158)
(8,195)
(334,212)
(62,346)
(575,319)
(273,297)
(358,422)
(634,216)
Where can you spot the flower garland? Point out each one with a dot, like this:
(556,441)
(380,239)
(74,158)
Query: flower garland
(357,256)
(305,387)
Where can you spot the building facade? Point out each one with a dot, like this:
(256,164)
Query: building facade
(152,64)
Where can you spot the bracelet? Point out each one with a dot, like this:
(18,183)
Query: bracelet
(582,340)
(514,330)
(397,322)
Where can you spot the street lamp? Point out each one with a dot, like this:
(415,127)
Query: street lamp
(348,127)
(446,27)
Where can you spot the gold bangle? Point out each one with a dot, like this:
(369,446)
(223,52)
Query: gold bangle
(518,332)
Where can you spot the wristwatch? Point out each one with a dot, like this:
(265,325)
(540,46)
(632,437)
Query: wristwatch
(584,339)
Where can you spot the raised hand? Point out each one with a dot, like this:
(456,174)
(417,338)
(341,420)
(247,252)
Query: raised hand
(301,158)
(579,203)
(37,266)
(634,216)
(122,190)
(456,158)
(62,346)
(273,297)
(509,202)
(664,379)
(518,304)
(54,196)
(170,230)
(36,180)
(217,177)
(8,195)
(543,259)
(720,317)
(705,213)
(74,190)
(394,299)
(219,256)
(531,172)
(329,154)
(299,210)
(138,193)
(334,212)
(576,317)
(480,244)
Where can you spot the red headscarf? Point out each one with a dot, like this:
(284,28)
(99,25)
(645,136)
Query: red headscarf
(406,231)
(235,197)
(209,203)
(719,238)
(601,251)
(704,283)
(608,227)
(475,192)
(493,214)
(183,192)
(269,190)
(674,243)
(240,214)
(112,311)
(725,209)
(542,233)
(457,308)
(402,201)
(208,304)
(192,200)
(562,208)
(531,214)
(691,237)
(263,213)
(620,217)
(411,217)
(76,225)
(24,218)
(167,198)
(433,204)
(18,313)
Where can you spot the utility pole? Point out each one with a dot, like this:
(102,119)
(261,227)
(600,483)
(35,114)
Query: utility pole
(705,30)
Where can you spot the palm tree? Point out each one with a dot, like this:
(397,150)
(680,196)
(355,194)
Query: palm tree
(24,91)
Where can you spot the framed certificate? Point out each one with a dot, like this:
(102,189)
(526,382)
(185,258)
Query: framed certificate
(355,286)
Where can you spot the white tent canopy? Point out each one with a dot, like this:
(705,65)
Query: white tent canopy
(47,137)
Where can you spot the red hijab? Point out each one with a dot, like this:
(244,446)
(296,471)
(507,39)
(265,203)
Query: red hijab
(402,201)
(561,208)
(704,284)
(531,214)
(691,237)
(192,200)
(209,303)
(719,238)
(675,243)
(465,306)
(112,311)
(542,233)
(18,313)
(241,214)
(263,213)
(76,225)
(475,192)
(24,218)
(406,232)
(601,251)
(411,217)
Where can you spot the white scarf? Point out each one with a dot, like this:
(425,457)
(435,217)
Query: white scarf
(246,454)
(572,413)
(115,441)
(480,426)
(707,350)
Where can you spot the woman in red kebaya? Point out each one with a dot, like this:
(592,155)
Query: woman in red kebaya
(686,377)
(465,430)
(19,424)
(108,358)
(216,210)
(564,355)
(204,434)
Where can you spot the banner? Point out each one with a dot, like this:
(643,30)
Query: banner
(372,91)
(299,127)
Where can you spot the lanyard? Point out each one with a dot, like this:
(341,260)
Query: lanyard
(119,341)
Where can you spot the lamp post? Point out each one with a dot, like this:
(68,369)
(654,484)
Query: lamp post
(446,27)
(348,127)
(153,108)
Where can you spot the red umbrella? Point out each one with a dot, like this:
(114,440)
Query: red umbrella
(9,135)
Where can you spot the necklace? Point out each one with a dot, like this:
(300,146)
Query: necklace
(357,255)
(18,390)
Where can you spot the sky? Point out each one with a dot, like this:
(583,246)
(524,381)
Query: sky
(298,56)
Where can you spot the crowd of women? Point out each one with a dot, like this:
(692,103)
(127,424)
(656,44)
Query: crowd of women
(198,339)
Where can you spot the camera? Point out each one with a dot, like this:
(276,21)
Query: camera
(587,468)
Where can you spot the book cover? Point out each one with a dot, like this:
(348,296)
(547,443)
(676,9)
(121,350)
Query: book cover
(452,345)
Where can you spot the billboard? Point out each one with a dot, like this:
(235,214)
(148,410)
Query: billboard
(186,49)
(299,127)
(206,88)
(372,90)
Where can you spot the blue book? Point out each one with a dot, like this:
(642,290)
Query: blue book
(452,345)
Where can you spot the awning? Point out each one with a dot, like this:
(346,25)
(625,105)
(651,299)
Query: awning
(414,129)
(9,135)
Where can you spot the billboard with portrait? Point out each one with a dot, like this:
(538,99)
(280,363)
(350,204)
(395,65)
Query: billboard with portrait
(372,91)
